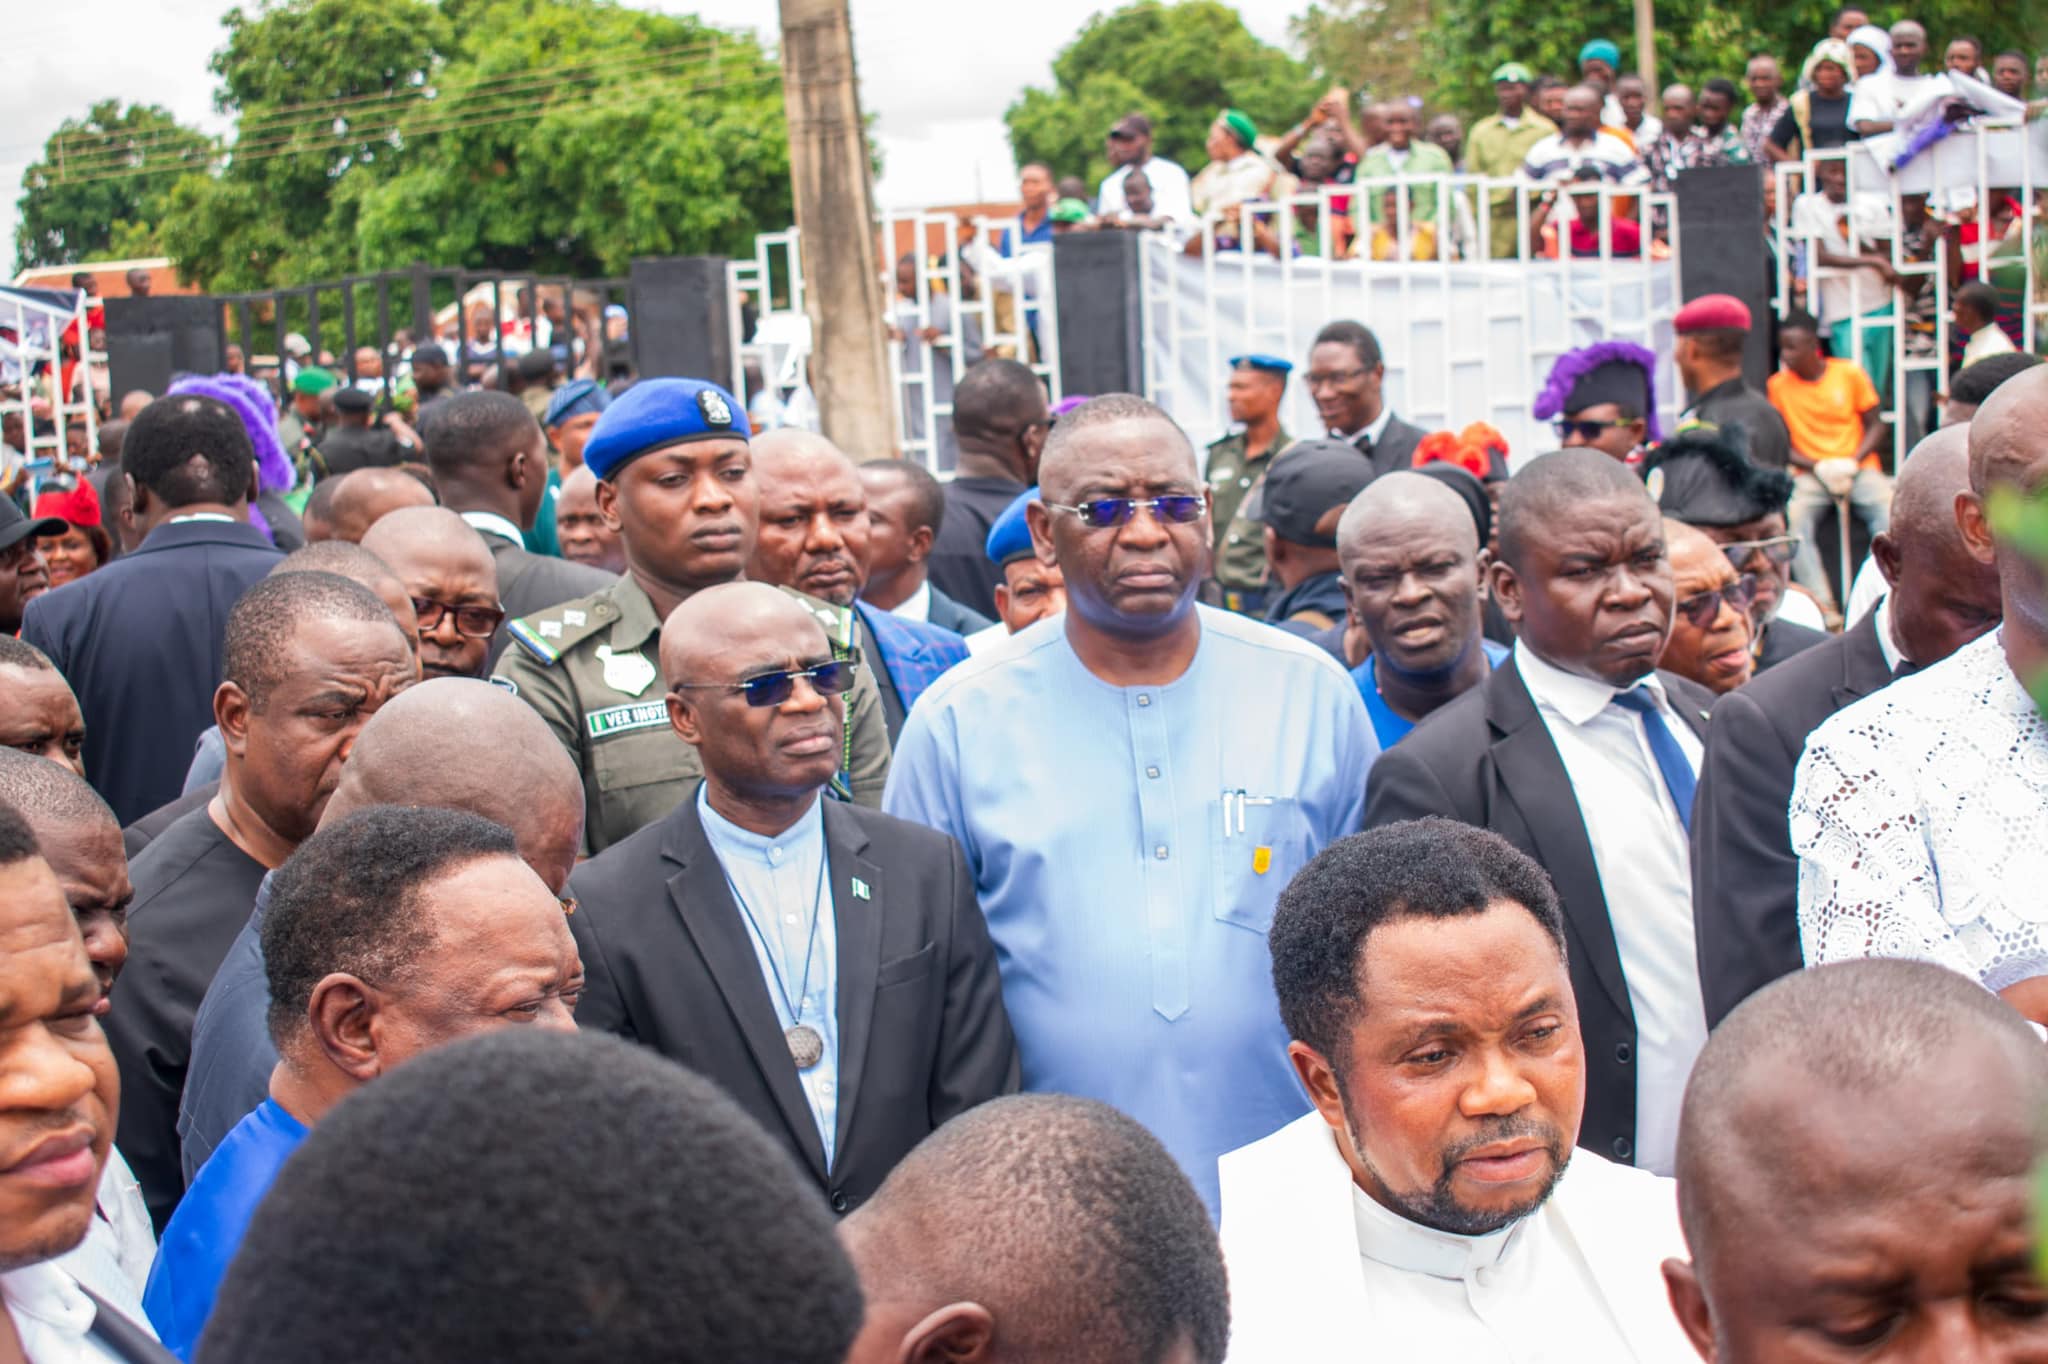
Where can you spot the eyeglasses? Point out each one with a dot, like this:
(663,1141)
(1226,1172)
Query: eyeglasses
(1107,513)
(772,689)
(1345,376)
(1779,549)
(477,622)
(1587,430)
(1702,608)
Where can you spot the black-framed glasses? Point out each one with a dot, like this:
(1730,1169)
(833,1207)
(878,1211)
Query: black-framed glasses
(1779,549)
(1107,513)
(1703,608)
(1319,379)
(1587,430)
(477,622)
(831,678)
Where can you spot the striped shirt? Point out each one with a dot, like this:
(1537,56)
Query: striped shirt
(1555,158)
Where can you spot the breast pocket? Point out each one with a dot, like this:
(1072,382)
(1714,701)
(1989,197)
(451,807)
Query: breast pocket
(1257,844)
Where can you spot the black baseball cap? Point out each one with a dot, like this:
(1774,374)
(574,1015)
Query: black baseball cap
(1131,125)
(348,399)
(16,525)
(1307,481)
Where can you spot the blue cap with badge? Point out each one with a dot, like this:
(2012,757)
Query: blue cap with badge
(658,412)
(1271,364)
(1010,537)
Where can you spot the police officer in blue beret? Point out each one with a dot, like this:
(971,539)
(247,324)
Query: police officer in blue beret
(1030,590)
(1236,464)
(675,480)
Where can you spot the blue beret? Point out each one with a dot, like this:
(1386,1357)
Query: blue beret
(573,399)
(1010,537)
(658,412)
(1272,364)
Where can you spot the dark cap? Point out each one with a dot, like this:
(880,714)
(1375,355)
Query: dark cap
(1307,481)
(429,354)
(536,364)
(352,400)
(1131,125)
(1704,476)
(16,526)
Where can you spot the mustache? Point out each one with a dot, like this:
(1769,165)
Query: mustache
(1496,1130)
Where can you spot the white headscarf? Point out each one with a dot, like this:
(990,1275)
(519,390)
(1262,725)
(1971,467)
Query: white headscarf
(1879,42)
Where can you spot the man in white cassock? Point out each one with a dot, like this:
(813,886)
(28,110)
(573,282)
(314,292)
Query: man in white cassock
(1433,1206)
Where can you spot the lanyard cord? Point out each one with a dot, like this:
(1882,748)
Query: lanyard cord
(796,1013)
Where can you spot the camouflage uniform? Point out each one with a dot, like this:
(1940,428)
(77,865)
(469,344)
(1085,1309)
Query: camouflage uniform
(1240,546)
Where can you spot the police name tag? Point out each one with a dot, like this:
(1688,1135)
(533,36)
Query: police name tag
(602,724)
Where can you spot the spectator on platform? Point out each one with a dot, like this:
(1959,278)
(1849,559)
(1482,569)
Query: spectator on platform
(1713,140)
(1446,132)
(1599,62)
(1964,55)
(1584,193)
(1547,93)
(1402,155)
(1236,174)
(1034,218)
(1846,21)
(1767,105)
(1975,317)
(1885,95)
(1660,157)
(925,360)
(2009,74)
(140,282)
(1816,116)
(1130,146)
(1835,420)
(1850,239)
(1497,146)
(1870,48)
(1579,142)
(1632,93)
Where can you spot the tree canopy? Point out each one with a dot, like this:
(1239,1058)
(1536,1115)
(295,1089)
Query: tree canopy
(1178,64)
(562,136)
(102,184)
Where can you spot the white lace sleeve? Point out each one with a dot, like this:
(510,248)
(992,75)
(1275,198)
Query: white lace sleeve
(1867,880)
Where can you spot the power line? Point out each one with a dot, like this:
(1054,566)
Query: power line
(454,123)
(115,149)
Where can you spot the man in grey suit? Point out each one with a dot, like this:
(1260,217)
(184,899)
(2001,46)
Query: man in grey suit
(825,964)
(490,463)
(1346,377)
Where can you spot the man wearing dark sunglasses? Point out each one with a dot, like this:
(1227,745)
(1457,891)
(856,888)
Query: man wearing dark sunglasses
(1710,623)
(1134,783)
(1602,396)
(675,477)
(827,965)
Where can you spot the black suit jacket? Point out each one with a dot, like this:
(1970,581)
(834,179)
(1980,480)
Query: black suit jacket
(1488,759)
(923,1036)
(1395,449)
(140,642)
(529,582)
(1745,876)
(1783,640)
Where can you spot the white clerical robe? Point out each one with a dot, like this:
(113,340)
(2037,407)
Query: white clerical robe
(1318,1271)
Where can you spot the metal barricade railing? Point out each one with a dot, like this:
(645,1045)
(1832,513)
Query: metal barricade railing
(34,371)
(975,281)
(1466,335)
(1978,166)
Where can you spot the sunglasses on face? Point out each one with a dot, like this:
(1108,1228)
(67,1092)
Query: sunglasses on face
(1107,513)
(476,622)
(773,688)
(1703,608)
(1779,550)
(1587,430)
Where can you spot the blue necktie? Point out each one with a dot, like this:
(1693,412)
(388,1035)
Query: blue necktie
(1678,775)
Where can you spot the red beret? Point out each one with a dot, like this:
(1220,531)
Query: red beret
(1712,313)
(79,505)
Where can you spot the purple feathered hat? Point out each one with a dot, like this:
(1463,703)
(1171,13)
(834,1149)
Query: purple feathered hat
(1619,372)
(251,402)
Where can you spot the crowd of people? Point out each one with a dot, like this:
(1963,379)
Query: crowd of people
(1062,912)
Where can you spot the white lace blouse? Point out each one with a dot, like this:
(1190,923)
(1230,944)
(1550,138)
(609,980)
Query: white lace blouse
(1920,816)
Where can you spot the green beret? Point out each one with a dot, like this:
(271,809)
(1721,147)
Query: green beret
(313,380)
(1241,126)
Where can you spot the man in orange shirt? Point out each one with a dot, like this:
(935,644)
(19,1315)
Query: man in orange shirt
(1831,411)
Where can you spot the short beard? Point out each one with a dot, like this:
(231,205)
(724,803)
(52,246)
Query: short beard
(1437,1207)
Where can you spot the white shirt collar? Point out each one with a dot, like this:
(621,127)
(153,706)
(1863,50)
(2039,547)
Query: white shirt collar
(1372,430)
(1392,1240)
(48,1310)
(916,606)
(727,837)
(1893,655)
(490,523)
(1578,699)
(200,516)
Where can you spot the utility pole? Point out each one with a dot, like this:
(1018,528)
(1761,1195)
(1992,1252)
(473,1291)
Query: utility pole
(1646,48)
(828,164)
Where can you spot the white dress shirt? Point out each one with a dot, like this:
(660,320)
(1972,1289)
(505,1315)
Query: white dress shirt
(916,606)
(1645,873)
(1172,195)
(114,1258)
(1372,430)
(782,882)
(53,1318)
(1920,816)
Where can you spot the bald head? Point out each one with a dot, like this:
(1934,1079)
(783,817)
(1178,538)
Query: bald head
(366,496)
(697,632)
(50,795)
(410,535)
(1078,444)
(460,744)
(1532,499)
(2005,445)
(789,447)
(1394,503)
(1924,496)
(1061,1218)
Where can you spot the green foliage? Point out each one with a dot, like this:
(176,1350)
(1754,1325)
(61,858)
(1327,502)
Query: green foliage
(1696,39)
(1365,45)
(141,150)
(1178,64)
(563,136)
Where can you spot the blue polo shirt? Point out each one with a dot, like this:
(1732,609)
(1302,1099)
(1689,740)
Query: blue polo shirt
(1391,728)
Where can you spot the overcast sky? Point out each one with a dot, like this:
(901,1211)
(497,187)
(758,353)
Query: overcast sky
(935,74)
